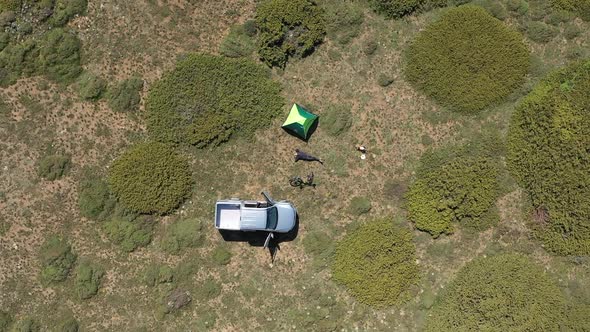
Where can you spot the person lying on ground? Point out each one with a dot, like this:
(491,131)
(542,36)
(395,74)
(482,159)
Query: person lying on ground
(300,155)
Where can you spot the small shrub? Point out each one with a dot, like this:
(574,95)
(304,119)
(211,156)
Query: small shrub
(540,32)
(125,96)
(69,324)
(88,278)
(559,16)
(53,167)
(129,235)
(27,324)
(467,59)
(183,233)
(9,5)
(90,86)
(288,28)
(59,56)
(452,189)
(238,43)
(359,205)
(395,8)
(337,119)
(57,259)
(343,20)
(206,99)
(319,246)
(571,31)
(161,274)
(221,255)
(547,153)
(370,47)
(151,178)
(377,263)
(210,289)
(384,80)
(499,293)
(95,200)
(18,59)
(519,7)
(5,321)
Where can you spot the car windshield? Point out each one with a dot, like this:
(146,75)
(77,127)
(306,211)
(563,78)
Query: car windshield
(272,218)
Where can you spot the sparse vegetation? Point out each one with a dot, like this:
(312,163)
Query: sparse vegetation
(221,255)
(69,324)
(88,278)
(343,20)
(288,28)
(53,167)
(151,178)
(548,156)
(207,99)
(377,263)
(239,42)
(467,59)
(5,321)
(125,95)
(359,205)
(95,200)
(182,234)
(27,324)
(57,259)
(500,293)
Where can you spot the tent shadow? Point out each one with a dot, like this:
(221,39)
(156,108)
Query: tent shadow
(257,239)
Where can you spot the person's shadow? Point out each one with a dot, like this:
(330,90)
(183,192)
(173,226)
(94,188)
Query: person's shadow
(258,238)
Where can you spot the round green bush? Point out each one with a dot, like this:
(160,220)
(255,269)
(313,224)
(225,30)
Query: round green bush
(151,178)
(377,263)
(467,59)
(453,189)
(500,293)
(88,278)
(90,86)
(57,259)
(206,99)
(395,8)
(548,154)
(288,28)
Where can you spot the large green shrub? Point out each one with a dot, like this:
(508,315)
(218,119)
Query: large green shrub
(183,233)
(59,55)
(581,7)
(499,293)
(548,154)
(206,99)
(129,234)
(88,278)
(453,189)
(57,259)
(377,263)
(125,95)
(467,59)
(288,28)
(151,178)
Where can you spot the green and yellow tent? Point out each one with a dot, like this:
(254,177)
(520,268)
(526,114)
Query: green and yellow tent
(300,121)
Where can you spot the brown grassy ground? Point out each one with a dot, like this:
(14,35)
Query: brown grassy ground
(296,292)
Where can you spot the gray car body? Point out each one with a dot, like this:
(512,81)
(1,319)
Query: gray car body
(251,218)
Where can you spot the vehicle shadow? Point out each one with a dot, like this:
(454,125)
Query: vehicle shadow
(257,239)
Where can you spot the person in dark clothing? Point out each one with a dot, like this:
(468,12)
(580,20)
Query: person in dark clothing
(309,181)
(300,155)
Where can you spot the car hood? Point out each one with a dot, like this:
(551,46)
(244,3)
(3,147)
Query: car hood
(287,217)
